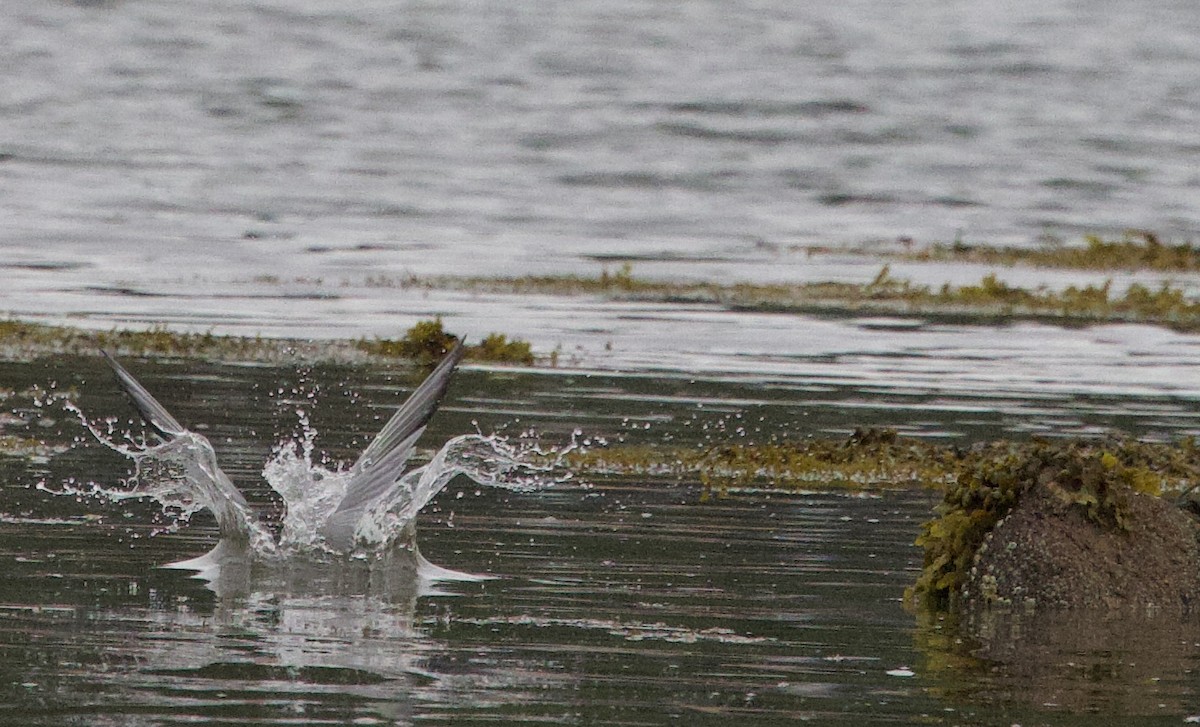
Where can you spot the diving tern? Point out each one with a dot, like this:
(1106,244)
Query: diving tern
(372,477)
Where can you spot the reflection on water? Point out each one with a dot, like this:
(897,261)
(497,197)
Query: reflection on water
(235,570)
(1093,662)
(625,602)
(619,600)
(1065,664)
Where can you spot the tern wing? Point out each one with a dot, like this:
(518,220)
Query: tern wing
(152,412)
(214,488)
(381,463)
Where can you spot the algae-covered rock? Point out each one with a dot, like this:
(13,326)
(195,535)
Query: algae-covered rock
(1072,524)
(1048,553)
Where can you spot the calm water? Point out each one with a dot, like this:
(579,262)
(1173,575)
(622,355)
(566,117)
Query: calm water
(623,601)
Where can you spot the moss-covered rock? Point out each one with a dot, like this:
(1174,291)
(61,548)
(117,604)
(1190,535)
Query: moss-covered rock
(1063,524)
(1049,552)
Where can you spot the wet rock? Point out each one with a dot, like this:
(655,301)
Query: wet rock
(1064,524)
(1047,553)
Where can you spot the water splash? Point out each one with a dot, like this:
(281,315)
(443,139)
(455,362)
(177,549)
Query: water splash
(181,475)
(487,460)
(312,491)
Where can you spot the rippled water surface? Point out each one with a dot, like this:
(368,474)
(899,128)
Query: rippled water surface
(164,156)
(281,167)
(612,600)
(700,127)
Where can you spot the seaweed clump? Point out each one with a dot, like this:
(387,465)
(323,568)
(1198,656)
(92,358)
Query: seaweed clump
(869,457)
(498,347)
(1098,480)
(1136,250)
(427,341)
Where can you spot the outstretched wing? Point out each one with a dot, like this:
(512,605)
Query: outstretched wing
(213,488)
(381,463)
(152,412)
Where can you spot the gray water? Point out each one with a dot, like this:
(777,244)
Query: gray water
(278,168)
(194,148)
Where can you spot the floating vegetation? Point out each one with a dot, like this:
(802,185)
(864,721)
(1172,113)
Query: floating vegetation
(875,458)
(17,336)
(427,341)
(1097,478)
(987,301)
(23,340)
(639,460)
(424,342)
(871,458)
(497,347)
(1135,251)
